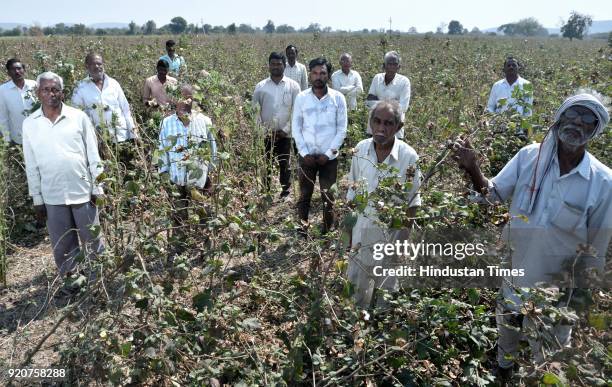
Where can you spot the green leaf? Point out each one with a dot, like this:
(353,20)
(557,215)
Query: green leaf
(598,321)
(142,304)
(184,314)
(550,378)
(125,349)
(202,301)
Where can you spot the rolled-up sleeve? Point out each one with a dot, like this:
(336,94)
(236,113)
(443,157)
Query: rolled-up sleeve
(341,123)
(93,158)
(32,171)
(297,124)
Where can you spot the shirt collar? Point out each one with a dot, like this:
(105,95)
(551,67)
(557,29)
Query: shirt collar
(394,151)
(179,122)
(583,168)
(39,113)
(517,82)
(11,85)
(104,82)
(279,82)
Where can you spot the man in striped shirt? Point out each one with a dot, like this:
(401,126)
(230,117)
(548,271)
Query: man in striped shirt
(294,69)
(184,157)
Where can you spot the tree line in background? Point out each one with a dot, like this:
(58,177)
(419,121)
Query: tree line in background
(575,27)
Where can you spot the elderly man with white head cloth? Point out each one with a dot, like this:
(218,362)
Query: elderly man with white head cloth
(560,204)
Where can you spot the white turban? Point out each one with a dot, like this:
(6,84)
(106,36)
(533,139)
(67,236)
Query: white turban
(590,102)
(548,148)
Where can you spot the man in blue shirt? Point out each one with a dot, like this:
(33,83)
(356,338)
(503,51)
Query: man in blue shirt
(176,62)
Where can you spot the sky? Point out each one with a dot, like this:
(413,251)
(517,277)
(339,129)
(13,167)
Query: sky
(347,15)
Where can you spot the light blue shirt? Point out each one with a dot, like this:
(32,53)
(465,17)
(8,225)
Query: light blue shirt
(179,149)
(175,64)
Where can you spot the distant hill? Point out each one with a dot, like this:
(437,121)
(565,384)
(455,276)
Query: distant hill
(109,25)
(599,26)
(10,26)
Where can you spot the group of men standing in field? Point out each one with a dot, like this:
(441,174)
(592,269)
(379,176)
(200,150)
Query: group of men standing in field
(563,190)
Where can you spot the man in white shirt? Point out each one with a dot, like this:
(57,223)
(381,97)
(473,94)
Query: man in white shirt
(275,96)
(400,162)
(560,204)
(62,164)
(501,98)
(391,86)
(294,69)
(319,127)
(16,99)
(347,81)
(102,98)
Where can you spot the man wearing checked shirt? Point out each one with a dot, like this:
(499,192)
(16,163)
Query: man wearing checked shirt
(181,138)
(319,127)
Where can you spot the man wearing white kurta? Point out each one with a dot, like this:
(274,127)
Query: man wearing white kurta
(62,164)
(365,174)
(16,99)
(347,81)
(560,201)
(390,86)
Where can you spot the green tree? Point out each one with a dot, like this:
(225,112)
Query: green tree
(132,27)
(577,26)
(149,28)
(455,28)
(78,29)
(285,29)
(231,29)
(178,25)
(269,27)
(525,27)
(245,29)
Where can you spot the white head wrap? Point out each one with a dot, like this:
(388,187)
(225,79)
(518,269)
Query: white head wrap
(548,148)
(590,102)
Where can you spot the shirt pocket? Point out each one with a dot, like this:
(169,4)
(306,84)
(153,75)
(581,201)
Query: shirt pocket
(569,218)
(286,99)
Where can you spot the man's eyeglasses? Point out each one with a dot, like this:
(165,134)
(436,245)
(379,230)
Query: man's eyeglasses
(51,90)
(586,117)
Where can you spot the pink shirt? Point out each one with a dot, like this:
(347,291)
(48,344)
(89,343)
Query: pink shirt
(153,88)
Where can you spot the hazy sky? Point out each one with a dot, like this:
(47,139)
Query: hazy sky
(425,15)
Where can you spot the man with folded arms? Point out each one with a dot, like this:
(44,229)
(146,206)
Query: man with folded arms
(390,86)
(347,81)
